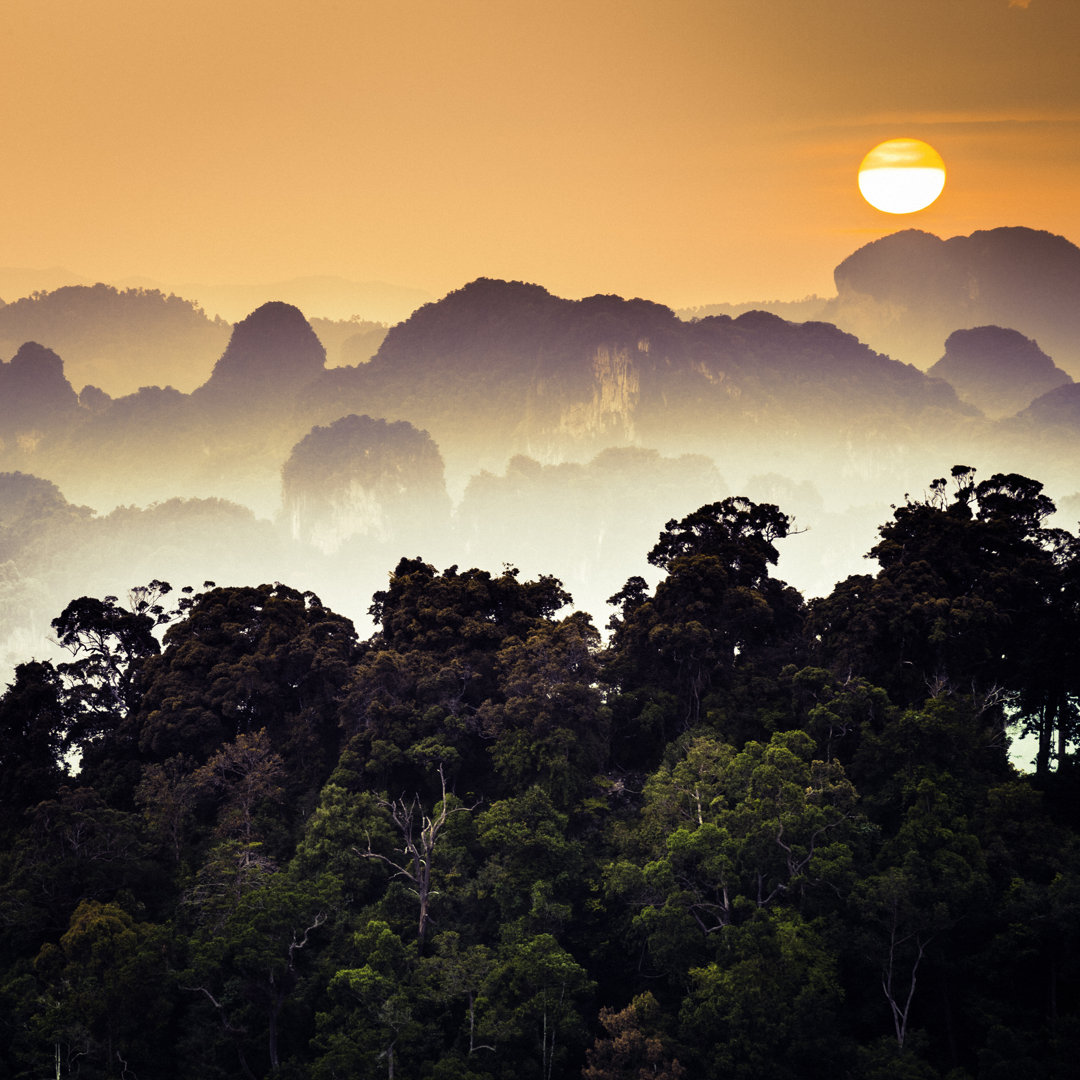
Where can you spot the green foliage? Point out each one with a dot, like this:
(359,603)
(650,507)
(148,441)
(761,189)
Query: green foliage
(245,660)
(734,834)
(107,643)
(714,622)
(71,848)
(339,829)
(458,614)
(836,712)
(530,1005)
(929,876)
(250,930)
(372,1025)
(768,1006)
(551,724)
(480,847)
(533,871)
(244,777)
(32,724)
(973,597)
(425,687)
(103,962)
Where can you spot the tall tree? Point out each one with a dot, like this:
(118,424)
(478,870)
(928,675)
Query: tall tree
(105,961)
(250,928)
(637,1047)
(32,724)
(548,723)
(928,877)
(370,1025)
(531,1007)
(970,599)
(727,835)
(109,645)
(769,1006)
(684,654)
(419,685)
(243,660)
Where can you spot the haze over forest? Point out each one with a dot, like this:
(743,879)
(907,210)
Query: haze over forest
(501,424)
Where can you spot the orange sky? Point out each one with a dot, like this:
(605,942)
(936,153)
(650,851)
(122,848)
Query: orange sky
(684,150)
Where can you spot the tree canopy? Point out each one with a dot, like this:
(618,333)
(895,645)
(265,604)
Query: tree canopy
(742,836)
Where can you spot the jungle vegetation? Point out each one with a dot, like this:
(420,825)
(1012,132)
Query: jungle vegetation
(740,836)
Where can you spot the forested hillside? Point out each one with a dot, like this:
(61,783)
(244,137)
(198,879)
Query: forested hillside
(118,340)
(743,836)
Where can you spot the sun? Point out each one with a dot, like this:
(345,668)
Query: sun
(901,176)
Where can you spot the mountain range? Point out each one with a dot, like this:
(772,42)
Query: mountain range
(502,422)
(121,340)
(321,296)
(907,292)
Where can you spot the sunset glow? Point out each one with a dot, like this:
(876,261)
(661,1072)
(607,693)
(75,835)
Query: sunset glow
(587,146)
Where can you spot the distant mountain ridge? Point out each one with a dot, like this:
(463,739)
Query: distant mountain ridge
(906,293)
(902,295)
(324,296)
(493,370)
(997,370)
(17,282)
(503,395)
(808,309)
(498,369)
(122,339)
(117,339)
(272,353)
(506,367)
(318,296)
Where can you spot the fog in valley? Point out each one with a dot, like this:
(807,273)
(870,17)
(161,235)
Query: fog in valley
(503,425)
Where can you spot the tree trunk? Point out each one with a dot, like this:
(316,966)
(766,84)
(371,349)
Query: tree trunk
(1046,739)
(1063,736)
(272,1036)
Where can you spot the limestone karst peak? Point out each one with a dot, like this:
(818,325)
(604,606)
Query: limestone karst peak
(275,342)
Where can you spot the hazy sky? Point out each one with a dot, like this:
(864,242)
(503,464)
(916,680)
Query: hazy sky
(684,150)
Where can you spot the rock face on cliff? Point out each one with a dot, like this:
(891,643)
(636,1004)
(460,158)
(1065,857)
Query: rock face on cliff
(502,368)
(997,370)
(905,293)
(364,478)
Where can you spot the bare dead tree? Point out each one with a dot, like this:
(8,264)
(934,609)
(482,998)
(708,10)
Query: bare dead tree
(419,835)
(899,1003)
(281,986)
(233,1030)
